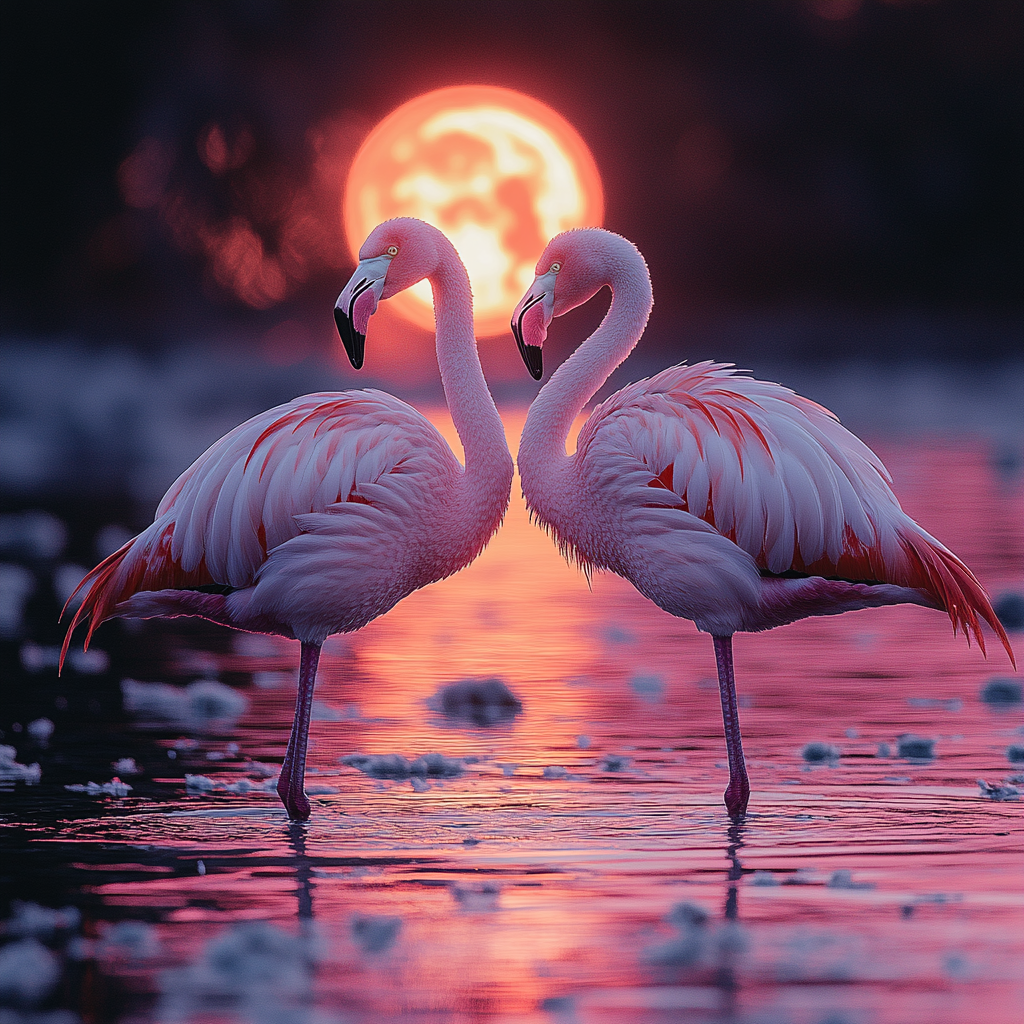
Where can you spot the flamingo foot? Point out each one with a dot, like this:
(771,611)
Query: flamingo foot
(737,793)
(291,785)
(291,790)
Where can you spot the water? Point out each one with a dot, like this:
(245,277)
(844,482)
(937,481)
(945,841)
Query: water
(540,884)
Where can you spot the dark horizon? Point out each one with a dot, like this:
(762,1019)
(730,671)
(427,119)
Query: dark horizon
(829,162)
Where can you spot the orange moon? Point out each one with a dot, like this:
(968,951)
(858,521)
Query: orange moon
(498,172)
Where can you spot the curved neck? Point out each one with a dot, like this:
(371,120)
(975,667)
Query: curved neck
(473,411)
(578,379)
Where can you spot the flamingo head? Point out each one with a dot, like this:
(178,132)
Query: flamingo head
(568,274)
(396,255)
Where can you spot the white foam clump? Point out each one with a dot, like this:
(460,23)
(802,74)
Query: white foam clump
(66,578)
(204,784)
(40,729)
(126,766)
(999,793)
(16,587)
(254,968)
(134,940)
(35,658)
(115,787)
(394,766)
(34,534)
(30,920)
(699,942)
(93,662)
(11,771)
(375,933)
(204,704)
(28,973)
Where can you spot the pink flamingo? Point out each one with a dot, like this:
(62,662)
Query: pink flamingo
(726,500)
(321,514)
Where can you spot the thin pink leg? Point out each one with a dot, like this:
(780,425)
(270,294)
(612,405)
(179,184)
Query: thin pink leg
(290,786)
(738,791)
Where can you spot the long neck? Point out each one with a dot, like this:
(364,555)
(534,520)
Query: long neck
(488,463)
(578,379)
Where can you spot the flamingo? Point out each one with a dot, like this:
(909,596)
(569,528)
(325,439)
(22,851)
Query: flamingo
(727,500)
(316,516)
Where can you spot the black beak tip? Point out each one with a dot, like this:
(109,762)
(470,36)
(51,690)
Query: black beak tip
(354,342)
(533,356)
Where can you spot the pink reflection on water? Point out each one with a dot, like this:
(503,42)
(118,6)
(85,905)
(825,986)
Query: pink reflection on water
(532,898)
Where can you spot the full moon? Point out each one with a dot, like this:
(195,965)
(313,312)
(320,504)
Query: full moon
(498,172)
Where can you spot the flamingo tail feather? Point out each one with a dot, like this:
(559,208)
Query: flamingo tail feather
(938,572)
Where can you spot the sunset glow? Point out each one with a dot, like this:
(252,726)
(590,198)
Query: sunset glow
(497,171)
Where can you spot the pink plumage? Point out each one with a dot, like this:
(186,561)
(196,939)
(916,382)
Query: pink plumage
(724,499)
(317,516)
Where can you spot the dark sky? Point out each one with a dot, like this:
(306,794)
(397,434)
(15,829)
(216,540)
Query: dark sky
(810,154)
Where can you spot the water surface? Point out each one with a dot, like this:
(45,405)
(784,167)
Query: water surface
(582,867)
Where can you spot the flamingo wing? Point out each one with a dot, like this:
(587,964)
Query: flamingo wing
(248,493)
(779,476)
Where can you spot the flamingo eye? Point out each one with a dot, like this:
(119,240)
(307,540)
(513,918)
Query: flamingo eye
(556,267)
(392,251)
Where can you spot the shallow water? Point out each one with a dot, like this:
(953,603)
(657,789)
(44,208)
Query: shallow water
(865,888)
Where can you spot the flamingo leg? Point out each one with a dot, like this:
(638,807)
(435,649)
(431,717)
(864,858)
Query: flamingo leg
(291,784)
(738,791)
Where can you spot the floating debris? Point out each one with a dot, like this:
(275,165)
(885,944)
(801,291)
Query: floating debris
(615,763)
(1015,753)
(115,787)
(1002,691)
(999,793)
(617,635)
(804,876)
(38,659)
(915,748)
(583,742)
(204,705)
(200,783)
(648,687)
(322,712)
(16,587)
(131,940)
(555,771)
(688,948)
(884,750)
(240,787)
(66,579)
(30,920)
(375,933)
(483,702)
(820,753)
(394,766)
(29,972)
(763,878)
(40,730)
(936,703)
(35,535)
(843,879)
(480,898)
(93,662)
(1009,609)
(253,968)
(11,771)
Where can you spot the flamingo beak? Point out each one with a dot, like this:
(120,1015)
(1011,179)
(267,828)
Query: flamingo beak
(357,303)
(530,321)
